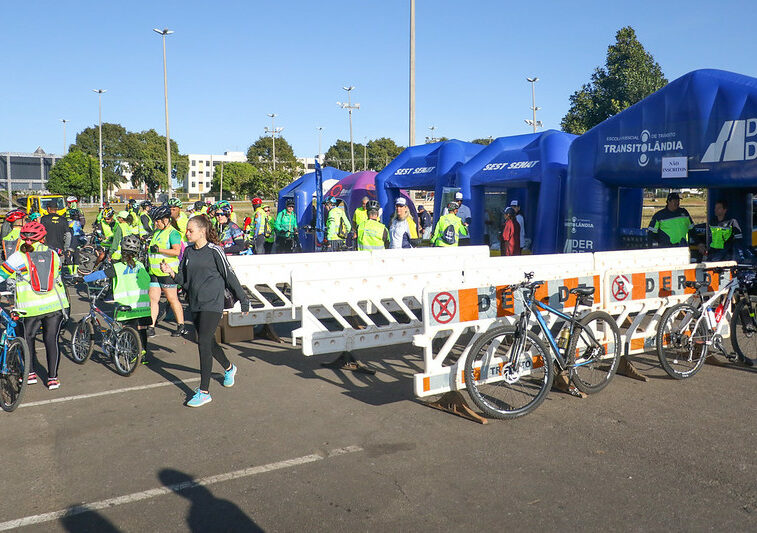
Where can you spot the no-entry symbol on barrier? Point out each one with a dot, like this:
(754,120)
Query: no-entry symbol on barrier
(621,288)
(444,307)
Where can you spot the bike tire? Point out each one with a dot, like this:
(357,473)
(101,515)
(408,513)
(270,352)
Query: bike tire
(591,375)
(499,398)
(680,350)
(13,383)
(127,351)
(744,331)
(82,341)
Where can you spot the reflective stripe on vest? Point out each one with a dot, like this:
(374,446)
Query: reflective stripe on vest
(719,236)
(10,246)
(370,235)
(132,289)
(161,239)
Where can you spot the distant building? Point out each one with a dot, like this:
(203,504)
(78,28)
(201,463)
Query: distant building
(26,172)
(308,163)
(202,168)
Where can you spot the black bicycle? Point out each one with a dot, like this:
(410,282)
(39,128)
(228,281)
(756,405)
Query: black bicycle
(509,370)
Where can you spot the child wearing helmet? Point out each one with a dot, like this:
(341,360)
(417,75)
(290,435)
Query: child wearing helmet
(131,285)
(40,296)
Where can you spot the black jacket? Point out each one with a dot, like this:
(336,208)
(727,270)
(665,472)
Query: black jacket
(205,273)
(57,228)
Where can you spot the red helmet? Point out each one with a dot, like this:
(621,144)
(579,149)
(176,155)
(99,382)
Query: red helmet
(33,231)
(256,202)
(18,214)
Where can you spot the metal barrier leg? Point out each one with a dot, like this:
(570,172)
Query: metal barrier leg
(347,361)
(453,402)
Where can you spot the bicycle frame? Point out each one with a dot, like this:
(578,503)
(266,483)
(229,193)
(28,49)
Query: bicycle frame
(9,332)
(95,313)
(730,289)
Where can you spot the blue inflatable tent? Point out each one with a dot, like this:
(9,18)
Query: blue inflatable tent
(302,191)
(532,169)
(698,131)
(428,167)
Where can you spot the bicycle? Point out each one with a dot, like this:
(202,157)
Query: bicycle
(15,362)
(509,370)
(120,343)
(687,332)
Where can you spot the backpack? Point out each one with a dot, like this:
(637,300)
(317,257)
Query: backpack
(342,231)
(449,234)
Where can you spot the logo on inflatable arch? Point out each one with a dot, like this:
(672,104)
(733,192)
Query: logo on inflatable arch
(733,137)
(643,144)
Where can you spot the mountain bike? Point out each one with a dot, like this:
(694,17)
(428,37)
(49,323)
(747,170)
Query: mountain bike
(120,343)
(15,362)
(687,332)
(509,369)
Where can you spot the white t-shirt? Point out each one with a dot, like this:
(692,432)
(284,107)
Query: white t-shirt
(396,231)
(522,223)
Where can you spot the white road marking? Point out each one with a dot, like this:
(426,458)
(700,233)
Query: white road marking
(178,487)
(107,392)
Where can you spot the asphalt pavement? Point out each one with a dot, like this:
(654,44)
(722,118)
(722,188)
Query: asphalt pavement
(297,447)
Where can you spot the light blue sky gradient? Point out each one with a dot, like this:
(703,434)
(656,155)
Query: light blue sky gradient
(231,62)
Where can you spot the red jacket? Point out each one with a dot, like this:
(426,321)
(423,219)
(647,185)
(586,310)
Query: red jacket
(511,238)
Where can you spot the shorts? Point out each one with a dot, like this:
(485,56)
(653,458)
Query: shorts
(164,282)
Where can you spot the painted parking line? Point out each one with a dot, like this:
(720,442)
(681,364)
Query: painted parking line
(178,487)
(108,392)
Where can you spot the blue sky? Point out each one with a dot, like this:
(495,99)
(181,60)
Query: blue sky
(232,62)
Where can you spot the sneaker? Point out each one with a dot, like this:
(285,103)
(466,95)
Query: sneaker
(228,376)
(53,383)
(199,399)
(144,357)
(150,331)
(32,379)
(180,330)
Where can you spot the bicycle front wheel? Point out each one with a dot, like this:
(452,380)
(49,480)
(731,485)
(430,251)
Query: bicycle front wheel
(503,384)
(597,354)
(744,331)
(682,341)
(14,373)
(127,352)
(82,342)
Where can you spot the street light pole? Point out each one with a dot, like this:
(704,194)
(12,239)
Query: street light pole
(64,120)
(320,130)
(169,169)
(411,141)
(100,128)
(533,122)
(273,131)
(365,154)
(350,107)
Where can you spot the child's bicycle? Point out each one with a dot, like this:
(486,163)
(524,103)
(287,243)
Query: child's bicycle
(688,331)
(121,343)
(15,362)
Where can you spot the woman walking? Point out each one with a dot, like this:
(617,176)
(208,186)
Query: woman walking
(165,246)
(205,273)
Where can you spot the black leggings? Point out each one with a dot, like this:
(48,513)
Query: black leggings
(51,324)
(206,323)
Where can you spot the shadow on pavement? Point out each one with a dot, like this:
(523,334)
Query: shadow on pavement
(207,513)
(87,521)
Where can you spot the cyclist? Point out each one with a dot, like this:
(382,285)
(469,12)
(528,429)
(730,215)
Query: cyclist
(200,208)
(165,245)
(180,218)
(231,237)
(285,228)
(12,240)
(40,294)
(77,227)
(145,222)
(105,224)
(122,229)
(261,226)
(131,285)
(72,202)
(449,228)
(337,225)
(58,232)
(372,234)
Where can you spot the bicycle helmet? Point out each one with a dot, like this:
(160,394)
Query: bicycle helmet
(223,210)
(33,232)
(372,205)
(453,206)
(290,201)
(108,212)
(123,214)
(132,202)
(145,204)
(257,202)
(16,214)
(71,199)
(131,243)
(159,212)
(74,213)
(34,216)
(174,202)
(199,204)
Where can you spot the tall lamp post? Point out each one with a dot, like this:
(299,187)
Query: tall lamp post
(350,107)
(533,122)
(64,120)
(169,171)
(100,128)
(273,131)
(411,140)
(320,131)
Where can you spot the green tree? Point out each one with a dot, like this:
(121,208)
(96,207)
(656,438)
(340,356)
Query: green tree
(431,140)
(630,74)
(76,173)
(145,153)
(484,140)
(381,151)
(260,153)
(238,178)
(338,155)
(115,139)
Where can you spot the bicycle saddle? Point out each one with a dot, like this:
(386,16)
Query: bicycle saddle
(582,291)
(694,284)
(124,308)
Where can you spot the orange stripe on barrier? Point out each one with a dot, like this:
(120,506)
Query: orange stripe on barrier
(570,283)
(666,283)
(639,282)
(637,344)
(467,299)
(597,290)
(542,293)
(714,281)
(426,384)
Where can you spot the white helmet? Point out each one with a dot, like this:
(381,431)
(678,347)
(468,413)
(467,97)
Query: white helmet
(71,199)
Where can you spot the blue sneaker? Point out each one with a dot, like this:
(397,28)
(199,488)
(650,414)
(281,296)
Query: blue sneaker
(199,399)
(228,376)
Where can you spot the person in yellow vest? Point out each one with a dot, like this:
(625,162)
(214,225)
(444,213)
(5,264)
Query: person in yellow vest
(165,245)
(12,241)
(449,228)
(201,208)
(337,226)
(131,287)
(178,216)
(372,234)
(122,229)
(105,225)
(40,296)
(261,226)
(361,213)
(145,222)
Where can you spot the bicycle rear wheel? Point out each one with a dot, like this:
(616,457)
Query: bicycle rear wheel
(13,376)
(503,388)
(82,342)
(597,358)
(680,348)
(127,352)
(744,330)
